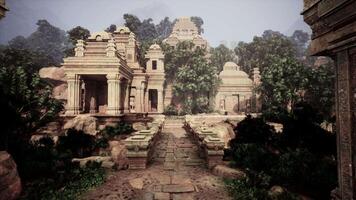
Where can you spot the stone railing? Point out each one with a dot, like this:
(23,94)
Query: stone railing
(140,145)
(210,144)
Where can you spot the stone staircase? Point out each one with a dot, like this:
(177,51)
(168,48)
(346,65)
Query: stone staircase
(175,149)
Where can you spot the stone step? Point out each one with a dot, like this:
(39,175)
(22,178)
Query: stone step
(178,188)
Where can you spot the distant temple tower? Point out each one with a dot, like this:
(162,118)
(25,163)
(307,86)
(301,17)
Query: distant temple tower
(185,30)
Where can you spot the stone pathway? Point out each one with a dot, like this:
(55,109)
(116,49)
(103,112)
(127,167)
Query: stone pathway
(177,172)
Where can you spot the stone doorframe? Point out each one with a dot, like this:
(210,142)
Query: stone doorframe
(117,103)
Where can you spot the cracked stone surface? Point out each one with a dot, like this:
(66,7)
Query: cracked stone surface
(176,172)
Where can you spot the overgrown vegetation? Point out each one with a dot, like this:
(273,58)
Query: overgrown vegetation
(298,158)
(67,184)
(119,129)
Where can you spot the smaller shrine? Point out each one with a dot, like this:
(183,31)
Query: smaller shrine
(235,92)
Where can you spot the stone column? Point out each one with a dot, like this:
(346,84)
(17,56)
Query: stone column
(113,94)
(345,122)
(127,98)
(160,101)
(138,99)
(73,99)
(142,99)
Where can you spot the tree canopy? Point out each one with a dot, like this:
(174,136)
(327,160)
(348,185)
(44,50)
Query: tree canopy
(220,55)
(193,77)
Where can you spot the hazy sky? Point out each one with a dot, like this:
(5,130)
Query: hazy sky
(224,20)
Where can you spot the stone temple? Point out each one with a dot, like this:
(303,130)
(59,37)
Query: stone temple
(105,78)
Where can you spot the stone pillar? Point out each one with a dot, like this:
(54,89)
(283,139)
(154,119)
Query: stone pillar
(138,99)
(345,121)
(73,99)
(127,98)
(114,94)
(160,101)
(142,97)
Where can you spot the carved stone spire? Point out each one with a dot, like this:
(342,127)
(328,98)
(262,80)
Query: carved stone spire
(79,49)
(110,48)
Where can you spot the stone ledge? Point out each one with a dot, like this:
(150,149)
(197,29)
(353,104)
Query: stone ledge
(139,145)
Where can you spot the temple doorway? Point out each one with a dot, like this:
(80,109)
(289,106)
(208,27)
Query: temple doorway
(94,91)
(152,100)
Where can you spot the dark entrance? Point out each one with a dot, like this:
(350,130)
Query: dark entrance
(152,100)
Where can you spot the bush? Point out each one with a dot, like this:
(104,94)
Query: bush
(76,144)
(253,156)
(67,184)
(255,187)
(170,110)
(253,130)
(119,129)
(299,158)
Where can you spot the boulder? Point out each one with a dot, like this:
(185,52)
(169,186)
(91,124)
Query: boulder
(119,154)
(56,76)
(276,191)
(106,161)
(138,126)
(53,73)
(10,182)
(136,183)
(227,172)
(60,91)
(85,123)
(52,128)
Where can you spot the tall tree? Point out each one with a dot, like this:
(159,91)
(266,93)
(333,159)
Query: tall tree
(258,53)
(147,30)
(132,22)
(283,84)
(220,55)
(194,79)
(111,28)
(77,33)
(25,98)
(164,28)
(198,21)
(300,40)
(50,41)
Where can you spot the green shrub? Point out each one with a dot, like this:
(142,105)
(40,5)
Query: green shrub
(170,110)
(76,144)
(119,129)
(253,156)
(255,187)
(67,184)
(253,130)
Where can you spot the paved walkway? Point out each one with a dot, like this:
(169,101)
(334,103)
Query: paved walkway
(177,172)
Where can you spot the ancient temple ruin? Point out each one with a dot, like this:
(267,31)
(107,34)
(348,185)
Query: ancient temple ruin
(105,77)
(235,91)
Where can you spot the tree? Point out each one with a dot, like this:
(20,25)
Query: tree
(320,90)
(49,41)
(25,98)
(132,22)
(19,42)
(194,80)
(77,33)
(198,21)
(300,40)
(220,55)
(259,52)
(164,28)
(111,28)
(283,85)
(147,30)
